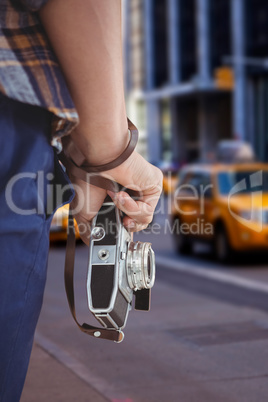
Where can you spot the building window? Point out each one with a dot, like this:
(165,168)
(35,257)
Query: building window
(137,70)
(187,38)
(166,130)
(256,28)
(141,115)
(260,139)
(160,46)
(220,31)
(141,123)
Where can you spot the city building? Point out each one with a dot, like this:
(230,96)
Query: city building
(197,72)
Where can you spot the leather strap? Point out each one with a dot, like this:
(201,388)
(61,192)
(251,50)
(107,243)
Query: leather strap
(134,136)
(88,174)
(95,179)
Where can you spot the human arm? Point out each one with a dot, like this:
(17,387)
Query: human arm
(86,37)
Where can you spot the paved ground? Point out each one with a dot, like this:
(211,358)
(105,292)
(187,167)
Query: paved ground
(204,340)
(50,380)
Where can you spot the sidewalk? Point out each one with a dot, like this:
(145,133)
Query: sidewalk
(49,380)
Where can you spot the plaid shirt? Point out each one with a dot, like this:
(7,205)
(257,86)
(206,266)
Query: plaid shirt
(29,71)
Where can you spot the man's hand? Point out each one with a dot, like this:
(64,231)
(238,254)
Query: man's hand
(136,174)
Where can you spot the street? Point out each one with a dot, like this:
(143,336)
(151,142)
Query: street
(205,338)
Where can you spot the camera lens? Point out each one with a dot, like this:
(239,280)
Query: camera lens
(140,265)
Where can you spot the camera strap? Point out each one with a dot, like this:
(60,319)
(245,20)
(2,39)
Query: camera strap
(88,173)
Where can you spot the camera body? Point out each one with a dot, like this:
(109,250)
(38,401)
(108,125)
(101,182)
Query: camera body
(118,269)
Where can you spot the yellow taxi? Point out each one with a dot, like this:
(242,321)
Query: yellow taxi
(170,176)
(225,204)
(170,181)
(59,225)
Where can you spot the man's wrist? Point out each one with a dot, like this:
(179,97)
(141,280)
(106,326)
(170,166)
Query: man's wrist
(83,150)
(105,152)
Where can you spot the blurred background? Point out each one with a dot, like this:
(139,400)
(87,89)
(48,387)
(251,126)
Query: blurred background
(196,73)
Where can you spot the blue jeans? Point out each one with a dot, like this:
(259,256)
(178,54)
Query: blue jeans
(24,232)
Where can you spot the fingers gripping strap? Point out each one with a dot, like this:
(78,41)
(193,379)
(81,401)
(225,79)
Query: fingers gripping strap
(103,333)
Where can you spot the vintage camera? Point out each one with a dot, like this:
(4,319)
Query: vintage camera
(118,269)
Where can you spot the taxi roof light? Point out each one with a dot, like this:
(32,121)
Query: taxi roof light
(235,151)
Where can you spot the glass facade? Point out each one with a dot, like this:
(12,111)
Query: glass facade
(260,103)
(202,33)
(187,39)
(256,18)
(166,130)
(219,32)
(256,30)
(137,66)
(160,43)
